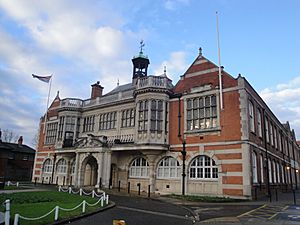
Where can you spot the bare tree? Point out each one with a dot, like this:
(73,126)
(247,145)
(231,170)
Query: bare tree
(9,136)
(35,140)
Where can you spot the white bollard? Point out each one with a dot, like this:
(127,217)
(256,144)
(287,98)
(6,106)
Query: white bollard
(7,211)
(70,190)
(83,206)
(104,197)
(102,202)
(93,194)
(107,199)
(17,184)
(59,188)
(16,221)
(56,213)
(80,191)
(8,183)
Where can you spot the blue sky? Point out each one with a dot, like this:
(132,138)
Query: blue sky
(81,42)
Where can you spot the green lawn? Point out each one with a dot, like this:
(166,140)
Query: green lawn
(36,204)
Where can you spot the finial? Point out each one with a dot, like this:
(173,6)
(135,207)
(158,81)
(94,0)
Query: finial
(57,95)
(118,83)
(165,70)
(200,51)
(142,44)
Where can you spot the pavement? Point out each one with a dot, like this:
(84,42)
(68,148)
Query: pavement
(281,209)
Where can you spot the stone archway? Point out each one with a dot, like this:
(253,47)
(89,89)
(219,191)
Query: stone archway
(89,171)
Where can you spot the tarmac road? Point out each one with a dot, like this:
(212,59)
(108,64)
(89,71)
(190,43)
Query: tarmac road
(140,211)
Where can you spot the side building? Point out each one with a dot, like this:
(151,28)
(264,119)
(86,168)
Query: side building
(16,161)
(189,138)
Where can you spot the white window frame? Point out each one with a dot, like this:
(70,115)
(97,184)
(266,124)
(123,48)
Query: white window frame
(275,137)
(267,130)
(201,113)
(259,124)
(61,166)
(274,172)
(168,168)
(254,168)
(278,172)
(139,168)
(251,116)
(270,171)
(198,168)
(262,168)
(47,166)
(271,134)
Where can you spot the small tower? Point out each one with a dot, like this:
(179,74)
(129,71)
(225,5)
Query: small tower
(140,64)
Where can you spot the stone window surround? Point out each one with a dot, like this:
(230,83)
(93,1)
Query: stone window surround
(201,94)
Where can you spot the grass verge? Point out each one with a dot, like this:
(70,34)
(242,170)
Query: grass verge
(194,198)
(36,204)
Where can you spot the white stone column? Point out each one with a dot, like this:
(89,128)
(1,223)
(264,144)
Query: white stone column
(106,171)
(77,173)
(100,167)
(152,172)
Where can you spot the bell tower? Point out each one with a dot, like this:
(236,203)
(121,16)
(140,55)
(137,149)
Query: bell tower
(140,64)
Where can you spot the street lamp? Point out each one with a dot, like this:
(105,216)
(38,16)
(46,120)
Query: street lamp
(183,152)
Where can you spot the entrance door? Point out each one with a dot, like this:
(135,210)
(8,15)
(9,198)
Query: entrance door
(90,172)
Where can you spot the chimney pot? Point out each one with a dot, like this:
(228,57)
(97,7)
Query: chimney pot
(20,140)
(97,90)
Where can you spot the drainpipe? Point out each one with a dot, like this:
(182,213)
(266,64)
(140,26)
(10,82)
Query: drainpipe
(183,152)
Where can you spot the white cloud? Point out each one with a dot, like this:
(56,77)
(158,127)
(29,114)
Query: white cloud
(67,38)
(175,65)
(285,102)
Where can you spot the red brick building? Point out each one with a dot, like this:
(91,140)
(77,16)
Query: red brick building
(172,139)
(16,161)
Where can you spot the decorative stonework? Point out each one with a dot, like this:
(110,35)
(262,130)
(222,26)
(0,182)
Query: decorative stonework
(91,141)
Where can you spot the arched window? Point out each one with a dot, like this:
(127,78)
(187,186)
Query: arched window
(139,168)
(204,168)
(270,170)
(262,169)
(168,168)
(278,172)
(274,172)
(61,166)
(47,167)
(282,174)
(254,167)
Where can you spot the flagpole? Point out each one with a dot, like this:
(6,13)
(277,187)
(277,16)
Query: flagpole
(219,59)
(46,115)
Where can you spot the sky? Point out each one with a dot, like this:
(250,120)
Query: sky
(81,42)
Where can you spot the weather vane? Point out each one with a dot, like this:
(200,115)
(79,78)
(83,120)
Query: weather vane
(142,44)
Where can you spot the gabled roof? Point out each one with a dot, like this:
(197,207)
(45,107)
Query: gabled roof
(16,147)
(203,72)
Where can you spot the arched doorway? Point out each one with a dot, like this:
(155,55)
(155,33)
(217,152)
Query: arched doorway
(90,171)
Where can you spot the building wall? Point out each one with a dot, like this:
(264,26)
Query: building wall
(230,144)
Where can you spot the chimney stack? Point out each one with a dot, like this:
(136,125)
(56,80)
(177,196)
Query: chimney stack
(20,141)
(96,90)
